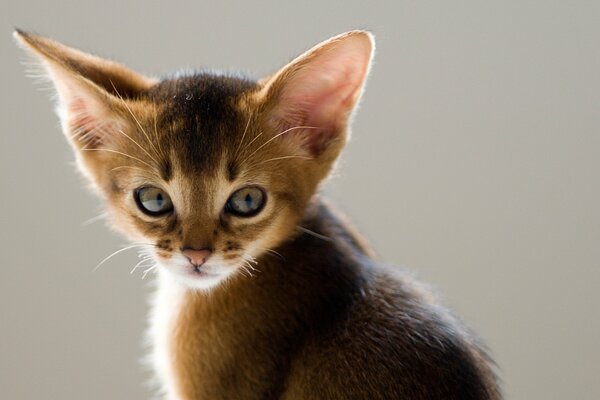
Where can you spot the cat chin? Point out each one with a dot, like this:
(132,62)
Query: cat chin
(191,279)
(202,282)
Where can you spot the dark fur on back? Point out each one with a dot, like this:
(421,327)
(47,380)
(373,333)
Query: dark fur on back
(343,327)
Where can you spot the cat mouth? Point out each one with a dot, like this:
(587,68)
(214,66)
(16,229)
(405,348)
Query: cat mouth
(200,272)
(203,277)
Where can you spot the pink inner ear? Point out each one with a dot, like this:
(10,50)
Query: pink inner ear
(82,125)
(84,110)
(328,115)
(321,90)
(323,112)
(88,123)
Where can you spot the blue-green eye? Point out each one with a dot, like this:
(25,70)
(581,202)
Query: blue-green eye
(153,201)
(246,202)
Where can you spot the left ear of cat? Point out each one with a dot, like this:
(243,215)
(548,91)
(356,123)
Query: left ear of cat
(313,97)
(91,91)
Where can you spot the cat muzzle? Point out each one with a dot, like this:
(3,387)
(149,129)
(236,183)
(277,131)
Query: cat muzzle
(196,257)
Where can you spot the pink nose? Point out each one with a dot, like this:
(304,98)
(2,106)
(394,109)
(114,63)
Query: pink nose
(197,257)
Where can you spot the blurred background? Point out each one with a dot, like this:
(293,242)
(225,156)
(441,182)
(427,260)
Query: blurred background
(474,161)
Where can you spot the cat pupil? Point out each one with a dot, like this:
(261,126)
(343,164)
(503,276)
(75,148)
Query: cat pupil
(153,200)
(246,202)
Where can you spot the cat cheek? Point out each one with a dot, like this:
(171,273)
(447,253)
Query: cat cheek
(232,258)
(165,246)
(162,255)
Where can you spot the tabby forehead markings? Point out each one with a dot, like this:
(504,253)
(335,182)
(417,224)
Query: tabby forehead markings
(232,170)
(166,170)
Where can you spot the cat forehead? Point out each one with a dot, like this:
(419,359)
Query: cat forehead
(200,117)
(201,95)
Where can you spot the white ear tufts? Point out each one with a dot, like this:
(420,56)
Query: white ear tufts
(86,110)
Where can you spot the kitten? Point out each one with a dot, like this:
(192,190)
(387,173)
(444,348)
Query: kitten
(265,292)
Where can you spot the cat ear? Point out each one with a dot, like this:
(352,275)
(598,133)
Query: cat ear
(313,97)
(91,91)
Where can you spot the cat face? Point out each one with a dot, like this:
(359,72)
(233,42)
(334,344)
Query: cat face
(210,179)
(209,172)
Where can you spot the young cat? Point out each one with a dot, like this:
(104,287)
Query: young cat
(265,292)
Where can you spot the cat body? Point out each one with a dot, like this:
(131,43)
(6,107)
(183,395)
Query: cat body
(310,326)
(264,291)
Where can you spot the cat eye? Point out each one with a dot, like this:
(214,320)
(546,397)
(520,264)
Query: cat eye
(246,202)
(153,201)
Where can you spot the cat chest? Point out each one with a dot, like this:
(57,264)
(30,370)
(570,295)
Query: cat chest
(199,356)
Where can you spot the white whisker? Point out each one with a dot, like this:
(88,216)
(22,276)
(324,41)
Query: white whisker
(286,157)
(120,251)
(94,219)
(274,253)
(148,270)
(248,264)
(162,153)
(120,153)
(140,264)
(137,144)
(278,135)
(127,166)
(315,234)
(246,267)
(134,117)
(243,135)
(253,140)
(280,158)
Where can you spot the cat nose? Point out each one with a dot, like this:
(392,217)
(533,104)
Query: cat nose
(196,257)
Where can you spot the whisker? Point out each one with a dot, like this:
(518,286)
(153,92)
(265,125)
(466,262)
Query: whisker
(148,270)
(286,157)
(278,135)
(162,152)
(279,158)
(127,166)
(123,154)
(274,253)
(243,135)
(251,260)
(120,251)
(87,133)
(245,268)
(139,264)
(315,234)
(137,144)
(253,140)
(248,261)
(249,265)
(94,219)
(133,115)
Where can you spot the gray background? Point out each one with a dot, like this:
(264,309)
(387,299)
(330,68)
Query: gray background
(474,161)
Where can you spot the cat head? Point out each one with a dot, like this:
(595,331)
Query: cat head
(210,171)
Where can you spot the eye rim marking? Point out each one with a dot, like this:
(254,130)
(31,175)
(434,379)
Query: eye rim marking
(229,210)
(143,209)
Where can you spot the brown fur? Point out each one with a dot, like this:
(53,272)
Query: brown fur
(318,318)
